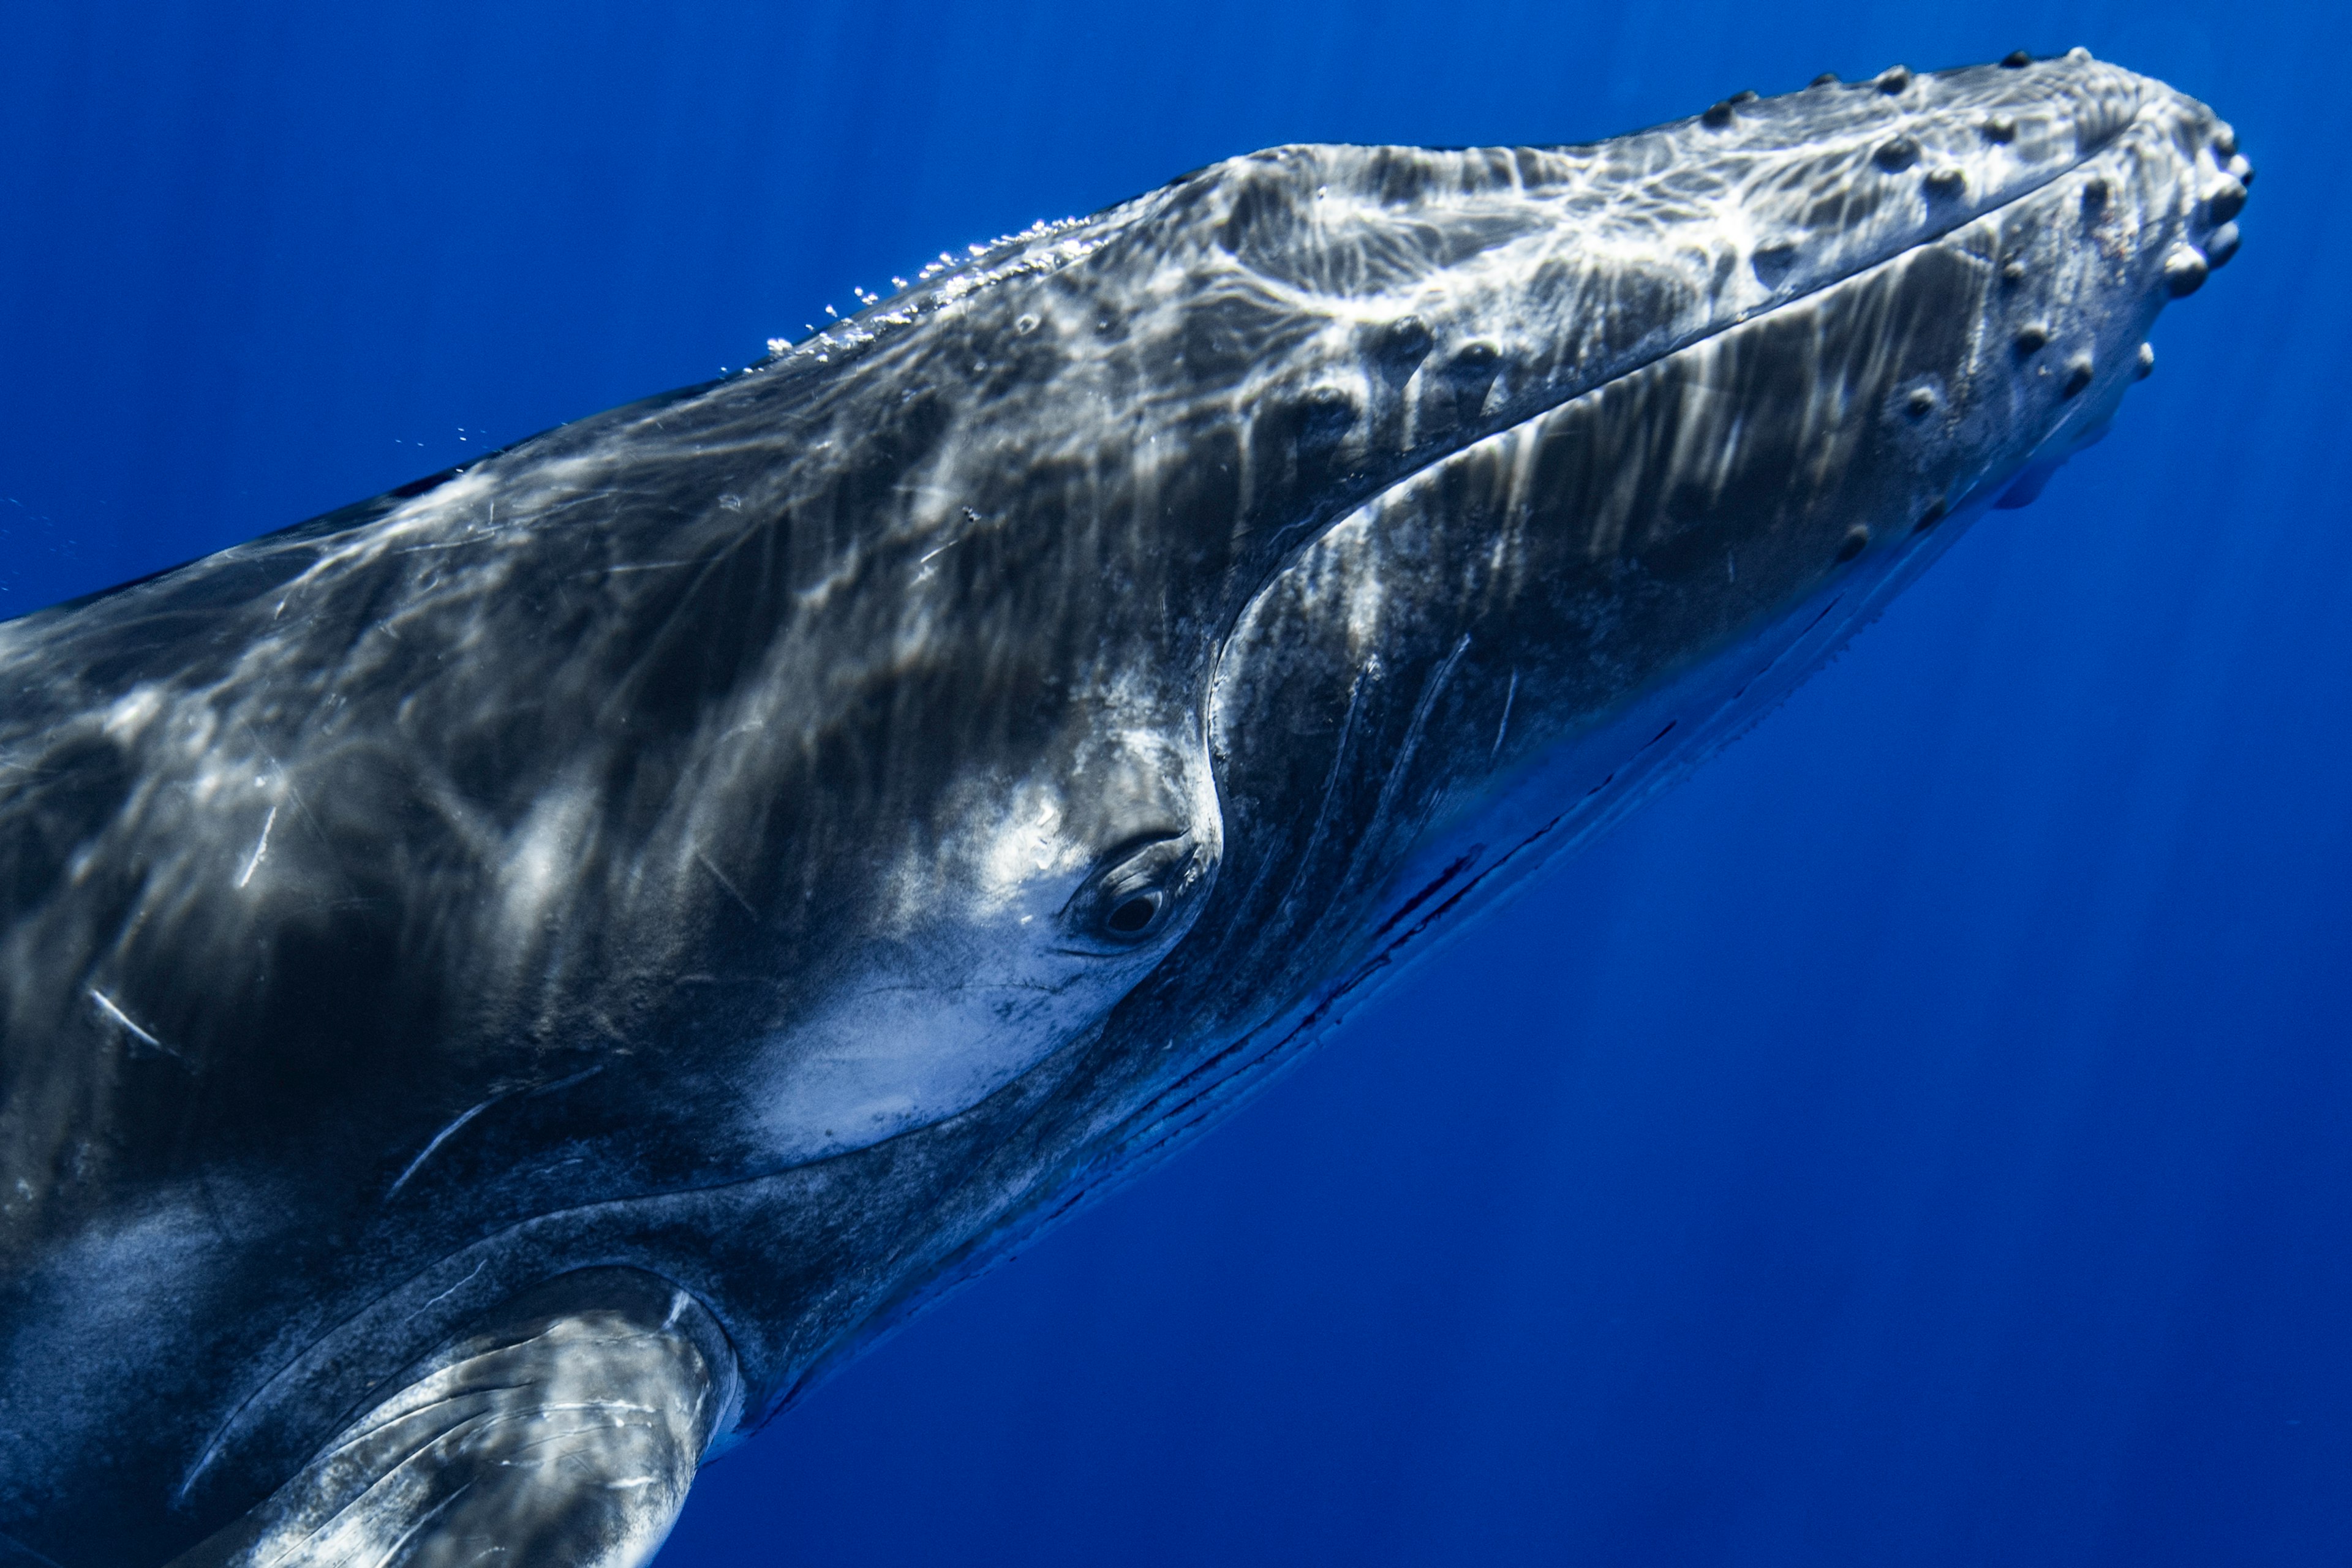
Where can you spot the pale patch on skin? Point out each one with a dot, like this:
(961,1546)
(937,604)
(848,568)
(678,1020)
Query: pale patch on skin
(899,1054)
(133,711)
(1027,847)
(537,875)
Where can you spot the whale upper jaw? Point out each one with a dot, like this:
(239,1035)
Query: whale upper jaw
(1363,310)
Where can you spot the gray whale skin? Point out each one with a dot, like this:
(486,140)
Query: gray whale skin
(506,984)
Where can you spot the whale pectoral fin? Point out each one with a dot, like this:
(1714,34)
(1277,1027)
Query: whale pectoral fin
(564,1437)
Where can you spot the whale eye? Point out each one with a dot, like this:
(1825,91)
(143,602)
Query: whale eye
(1136,896)
(1133,915)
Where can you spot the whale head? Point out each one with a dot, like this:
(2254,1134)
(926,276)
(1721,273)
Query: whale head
(1403,516)
(1689,408)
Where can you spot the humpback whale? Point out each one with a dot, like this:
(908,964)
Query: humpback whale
(505,986)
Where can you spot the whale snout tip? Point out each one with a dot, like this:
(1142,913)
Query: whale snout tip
(2179,162)
(2221,176)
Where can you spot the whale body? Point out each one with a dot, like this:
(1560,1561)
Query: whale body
(504,985)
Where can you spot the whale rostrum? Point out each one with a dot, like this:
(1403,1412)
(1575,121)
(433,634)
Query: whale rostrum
(506,984)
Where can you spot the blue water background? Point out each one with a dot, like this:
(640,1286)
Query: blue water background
(1926,1137)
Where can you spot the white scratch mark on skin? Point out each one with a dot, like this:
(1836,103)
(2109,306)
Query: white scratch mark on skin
(120,1017)
(1504,728)
(438,1139)
(124,1018)
(278,768)
(1731,565)
(260,848)
(721,879)
(567,1082)
(451,1130)
(453,1290)
(1412,733)
(1324,814)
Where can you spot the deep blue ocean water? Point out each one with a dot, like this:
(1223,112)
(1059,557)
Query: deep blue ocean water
(1925,1138)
